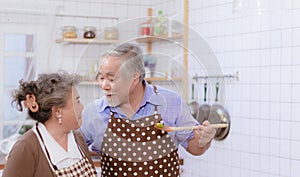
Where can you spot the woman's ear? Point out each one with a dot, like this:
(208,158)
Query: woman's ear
(56,111)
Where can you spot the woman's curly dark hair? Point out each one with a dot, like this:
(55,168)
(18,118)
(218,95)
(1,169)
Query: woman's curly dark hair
(49,89)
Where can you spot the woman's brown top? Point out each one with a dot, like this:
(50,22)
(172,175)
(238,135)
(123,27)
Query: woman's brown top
(27,158)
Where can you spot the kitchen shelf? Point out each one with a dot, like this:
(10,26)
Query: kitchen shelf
(87,16)
(148,39)
(85,41)
(151,79)
(148,79)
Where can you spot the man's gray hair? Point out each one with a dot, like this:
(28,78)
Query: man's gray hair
(132,56)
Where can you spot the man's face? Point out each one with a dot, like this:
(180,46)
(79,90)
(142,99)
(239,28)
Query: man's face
(113,81)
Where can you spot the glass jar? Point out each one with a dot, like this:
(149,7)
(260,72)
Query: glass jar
(145,29)
(111,33)
(69,32)
(89,32)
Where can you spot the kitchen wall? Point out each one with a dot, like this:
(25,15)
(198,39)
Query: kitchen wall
(264,104)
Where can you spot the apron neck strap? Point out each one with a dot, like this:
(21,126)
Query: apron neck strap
(155,107)
(40,135)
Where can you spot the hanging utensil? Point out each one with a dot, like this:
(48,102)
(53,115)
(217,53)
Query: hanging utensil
(204,110)
(194,104)
(193,91)
(219,115)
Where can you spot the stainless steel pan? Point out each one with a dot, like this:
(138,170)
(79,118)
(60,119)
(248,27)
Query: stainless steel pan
(204,110)
(194,104)
(219,115)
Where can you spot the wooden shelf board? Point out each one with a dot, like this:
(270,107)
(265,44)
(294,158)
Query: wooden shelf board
(85,41)
(148,79)
(162,79)
(157,38)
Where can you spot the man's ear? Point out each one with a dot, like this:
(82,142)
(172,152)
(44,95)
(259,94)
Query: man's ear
(136,76)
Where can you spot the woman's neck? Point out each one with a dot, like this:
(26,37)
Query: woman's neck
(60,136)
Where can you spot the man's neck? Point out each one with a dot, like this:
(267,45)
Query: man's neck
(135,100)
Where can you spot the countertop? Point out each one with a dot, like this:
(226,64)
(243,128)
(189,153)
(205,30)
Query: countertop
(2,160)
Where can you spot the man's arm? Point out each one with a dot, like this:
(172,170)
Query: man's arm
(201,140)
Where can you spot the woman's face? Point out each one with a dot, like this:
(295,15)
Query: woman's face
(72,112)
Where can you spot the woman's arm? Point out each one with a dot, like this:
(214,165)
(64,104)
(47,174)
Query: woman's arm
(20,161)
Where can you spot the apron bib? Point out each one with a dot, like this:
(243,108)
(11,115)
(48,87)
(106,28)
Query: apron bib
(133,148)
(82,168)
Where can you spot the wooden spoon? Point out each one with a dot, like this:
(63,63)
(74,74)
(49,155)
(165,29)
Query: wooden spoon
(171,129)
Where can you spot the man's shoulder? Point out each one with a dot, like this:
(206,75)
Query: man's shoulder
(168,92)
(95,105)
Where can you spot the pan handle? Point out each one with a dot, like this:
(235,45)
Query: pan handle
(205,91)
(217,91)
(193,90)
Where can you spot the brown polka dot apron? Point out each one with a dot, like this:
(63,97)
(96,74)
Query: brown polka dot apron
(133,148)
(82,168)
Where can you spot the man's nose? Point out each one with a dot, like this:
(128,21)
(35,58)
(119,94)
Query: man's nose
(105,84)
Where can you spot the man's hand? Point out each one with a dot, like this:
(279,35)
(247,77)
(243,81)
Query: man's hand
(204,134)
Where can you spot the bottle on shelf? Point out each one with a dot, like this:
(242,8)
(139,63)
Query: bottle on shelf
(145,28)
(161,25)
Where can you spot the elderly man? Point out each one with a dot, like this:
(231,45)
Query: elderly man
(121,125)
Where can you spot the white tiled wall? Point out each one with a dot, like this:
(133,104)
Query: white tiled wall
(264,104)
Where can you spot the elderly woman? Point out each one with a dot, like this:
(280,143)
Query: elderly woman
(52,147)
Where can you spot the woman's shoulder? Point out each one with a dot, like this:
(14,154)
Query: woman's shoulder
(28,140)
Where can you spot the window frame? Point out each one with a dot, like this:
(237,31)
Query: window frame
(8,28)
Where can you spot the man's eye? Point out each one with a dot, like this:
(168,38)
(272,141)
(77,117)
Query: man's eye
(111,79)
